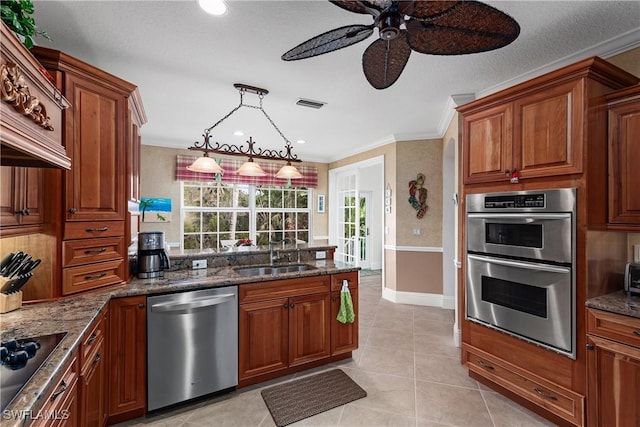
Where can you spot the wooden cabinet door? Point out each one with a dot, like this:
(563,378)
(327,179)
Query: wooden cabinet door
(548,131)
(127,358)
(93,390)
(344,336)
(309,328)
(613,384)
(21,199)
(95,141)
(624,162)
(487,139)
(263,337)
(9,196)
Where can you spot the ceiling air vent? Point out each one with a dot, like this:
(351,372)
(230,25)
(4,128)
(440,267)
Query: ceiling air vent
(310,103)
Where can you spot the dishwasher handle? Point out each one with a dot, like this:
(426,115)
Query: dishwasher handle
(198,304)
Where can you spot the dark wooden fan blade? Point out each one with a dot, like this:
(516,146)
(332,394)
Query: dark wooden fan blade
(359,6)
(425,9)
(329,41)
(384,60)
(468,27)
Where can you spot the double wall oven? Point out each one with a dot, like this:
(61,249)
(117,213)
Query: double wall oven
(521,265)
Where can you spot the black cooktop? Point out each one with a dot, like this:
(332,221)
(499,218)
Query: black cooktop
(20,359)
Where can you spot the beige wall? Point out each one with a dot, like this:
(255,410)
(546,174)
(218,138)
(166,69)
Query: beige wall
(628,61)
(157,179)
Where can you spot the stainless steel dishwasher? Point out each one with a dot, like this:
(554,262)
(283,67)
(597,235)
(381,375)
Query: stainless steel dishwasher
(192,345)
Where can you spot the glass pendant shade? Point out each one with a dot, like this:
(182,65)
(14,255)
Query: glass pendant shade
(289,172)
(250,168)
(205,164)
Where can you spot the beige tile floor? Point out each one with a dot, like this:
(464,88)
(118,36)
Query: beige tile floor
(406,362)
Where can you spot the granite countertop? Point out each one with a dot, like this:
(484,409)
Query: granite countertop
(74,315)
(617,302)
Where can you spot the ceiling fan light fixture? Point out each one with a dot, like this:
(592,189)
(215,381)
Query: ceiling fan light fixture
(389,25)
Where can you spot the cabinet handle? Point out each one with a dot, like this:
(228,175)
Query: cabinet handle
(91,230)
(544,394)
(95,276)
(334,299)
(485,365)
(141,305)
(92,338)
(63,388)
(72,211)
(23,212)
(286,305)
(97,359)
(291,305)
(95,251)
(636,332)
(590,346)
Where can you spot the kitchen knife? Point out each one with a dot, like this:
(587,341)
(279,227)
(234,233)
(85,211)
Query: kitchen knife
(23,267)
(18,283)
(6,261)
(28,267)
(13,265)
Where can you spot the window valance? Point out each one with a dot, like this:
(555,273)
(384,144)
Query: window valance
(309,173)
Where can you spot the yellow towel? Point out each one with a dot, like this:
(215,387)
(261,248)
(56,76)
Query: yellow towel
(346,313)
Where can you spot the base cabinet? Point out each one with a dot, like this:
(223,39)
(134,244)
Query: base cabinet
(289,325)
(613,367)
(127,358)
(92,391)
(344,336)
(60,407)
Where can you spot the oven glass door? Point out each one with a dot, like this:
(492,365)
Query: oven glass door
(530,300)
(539,237)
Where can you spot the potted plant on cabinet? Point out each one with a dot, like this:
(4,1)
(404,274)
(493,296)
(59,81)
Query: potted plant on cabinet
(16,14)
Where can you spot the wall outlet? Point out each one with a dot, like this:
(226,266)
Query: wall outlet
(416,231)
(199,263)
(636,253)
(321,255)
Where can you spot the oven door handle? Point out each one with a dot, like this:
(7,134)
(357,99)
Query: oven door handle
(531,216)
(520,264)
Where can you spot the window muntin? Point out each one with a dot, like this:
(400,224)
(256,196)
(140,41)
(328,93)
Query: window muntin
(214,213)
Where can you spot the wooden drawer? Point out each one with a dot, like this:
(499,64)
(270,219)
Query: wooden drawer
(89,251)
(85,277)
(351,277)
(283,288)
(56,407)
(614,326)
(556,399)
(91,343)
(91,230)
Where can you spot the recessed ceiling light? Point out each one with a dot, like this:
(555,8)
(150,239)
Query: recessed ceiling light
(238,133)
(301,141)
(213,7)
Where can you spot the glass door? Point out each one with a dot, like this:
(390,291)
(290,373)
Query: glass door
(347,214)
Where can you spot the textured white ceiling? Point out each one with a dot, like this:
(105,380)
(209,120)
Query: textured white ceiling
(185,63)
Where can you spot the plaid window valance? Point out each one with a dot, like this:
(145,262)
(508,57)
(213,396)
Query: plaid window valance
(309,173)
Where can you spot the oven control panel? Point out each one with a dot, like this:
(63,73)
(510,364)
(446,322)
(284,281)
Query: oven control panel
(515,201)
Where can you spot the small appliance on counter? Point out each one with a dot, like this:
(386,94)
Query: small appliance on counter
(15,271)
(632,278)
(153,258)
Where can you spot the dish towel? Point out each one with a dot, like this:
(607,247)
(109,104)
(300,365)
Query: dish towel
(346,313)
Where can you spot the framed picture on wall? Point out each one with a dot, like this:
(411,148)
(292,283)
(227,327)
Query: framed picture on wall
(321,203)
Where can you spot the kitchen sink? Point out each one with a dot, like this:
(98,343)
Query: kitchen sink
(272,270)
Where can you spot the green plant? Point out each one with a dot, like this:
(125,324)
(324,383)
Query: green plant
(17,15)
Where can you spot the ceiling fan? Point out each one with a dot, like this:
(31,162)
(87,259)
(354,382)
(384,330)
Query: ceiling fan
(431,27)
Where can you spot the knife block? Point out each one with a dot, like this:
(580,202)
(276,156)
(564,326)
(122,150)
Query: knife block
(9,302)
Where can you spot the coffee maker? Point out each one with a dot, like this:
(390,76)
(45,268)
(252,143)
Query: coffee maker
(152,256)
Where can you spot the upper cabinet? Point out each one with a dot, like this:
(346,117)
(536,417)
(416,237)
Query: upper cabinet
(30,110)
(101,135)
(538,128)
(624,159)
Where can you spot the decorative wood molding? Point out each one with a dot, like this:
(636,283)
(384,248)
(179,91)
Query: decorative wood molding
(15,91)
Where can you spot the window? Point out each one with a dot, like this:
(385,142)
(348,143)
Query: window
(217,215)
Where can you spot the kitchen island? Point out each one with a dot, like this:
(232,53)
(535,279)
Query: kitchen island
(76,315)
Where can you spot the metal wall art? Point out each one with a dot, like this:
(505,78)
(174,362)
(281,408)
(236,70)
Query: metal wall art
(418,195)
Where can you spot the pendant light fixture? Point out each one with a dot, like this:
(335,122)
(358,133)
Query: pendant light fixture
(249,168)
